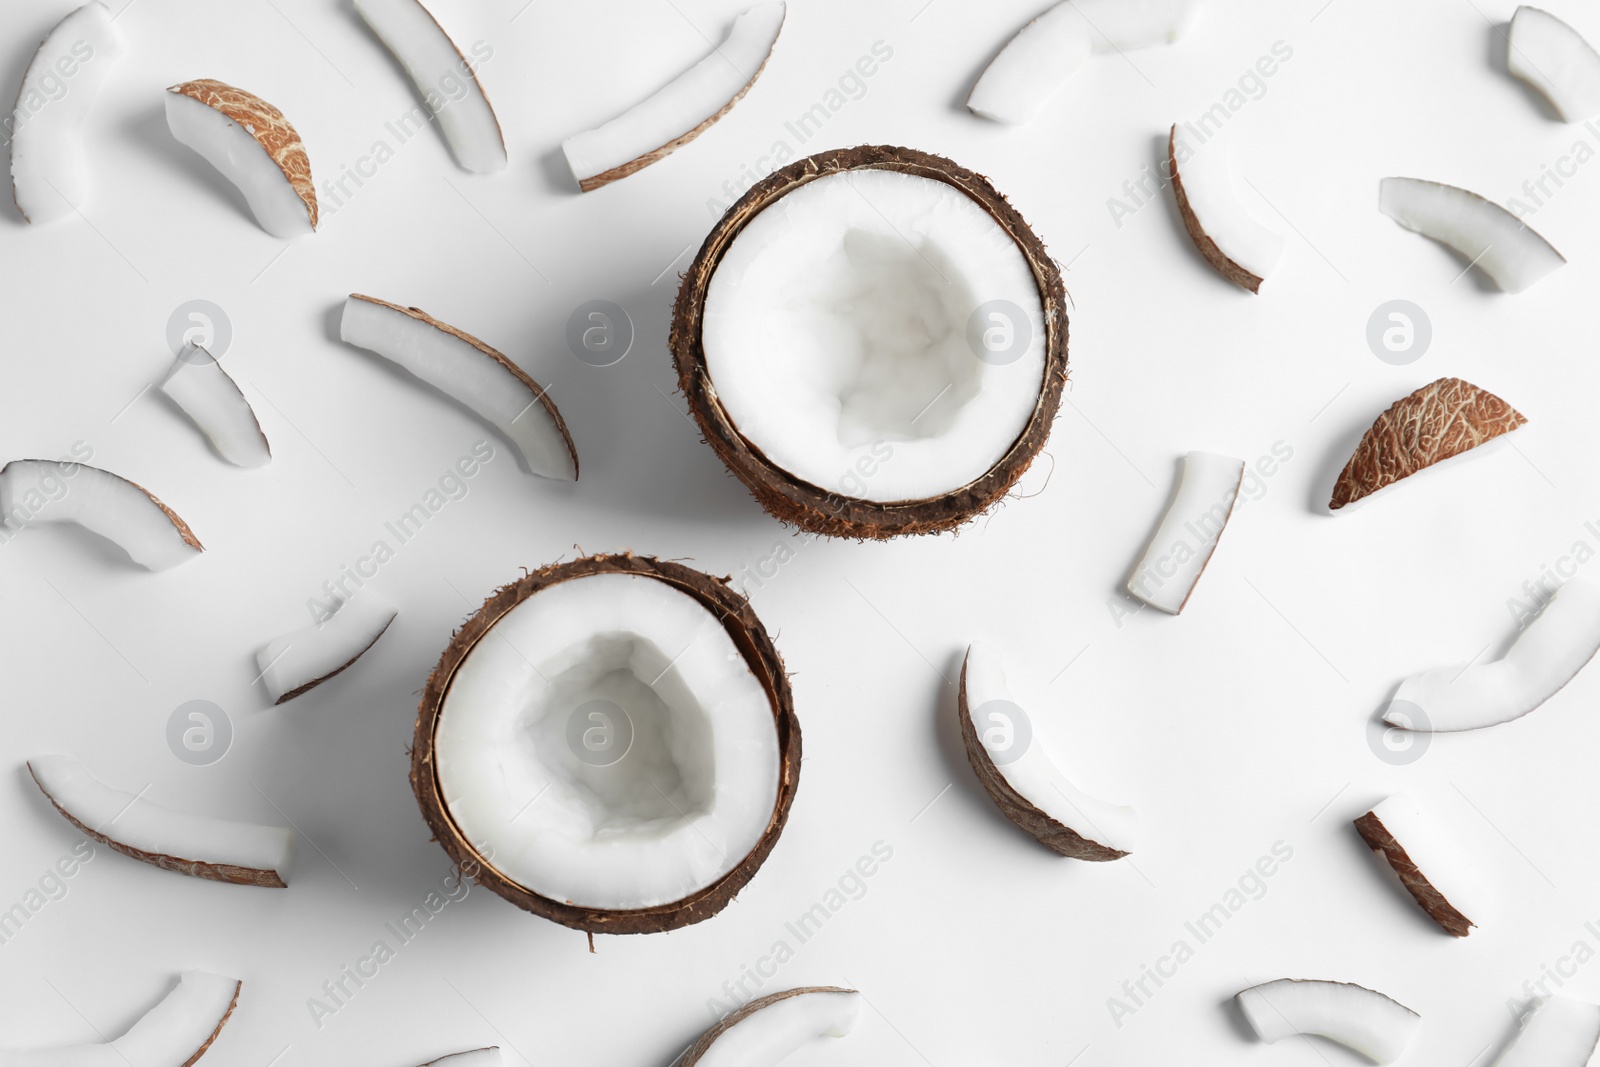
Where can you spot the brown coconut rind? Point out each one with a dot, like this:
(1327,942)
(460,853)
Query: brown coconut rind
(274,133)
(693,1054)
(467,1052)
(238,987)
(1440,910)
(1052,834)
(172,516)
(1438,421)
(810,507)
(308,686)
(1202,240)
(760,654)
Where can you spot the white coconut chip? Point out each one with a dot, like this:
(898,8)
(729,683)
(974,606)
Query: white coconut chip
(1182,546)
(174,1033)
(38,490)
(1559,1032)
(209,395)
(301,660)
(1490,237)
(1555,59)
(1356,1017)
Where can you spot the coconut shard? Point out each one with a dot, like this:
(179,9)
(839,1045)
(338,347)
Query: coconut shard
(610,743)
(874,342)
(765,1031)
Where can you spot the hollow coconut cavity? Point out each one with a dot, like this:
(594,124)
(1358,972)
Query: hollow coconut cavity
(874,342)
(610,743)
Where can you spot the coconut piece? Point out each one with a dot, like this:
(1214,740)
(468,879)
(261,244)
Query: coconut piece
(302,660)
(49,175)
(1555,59)
(873,342)
(1028,787)
(1229,237)
(123,512)
(1428,865)
(478,1057)
(682,109)
(415,38)
(1547,654)
(1357,1017)
(1559,1032)
(1490,237)
(174,1033)
(1182,545)
(254,147)
(610,743)
(208,395)
(470,372)
(198,845)
(769,1028)
(1437,422)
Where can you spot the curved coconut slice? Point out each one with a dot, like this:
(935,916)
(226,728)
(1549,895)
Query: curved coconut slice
(1231,240)
(304,659)
(873,342)
(49,176)
(769,1028)
(174,1033)
(1429,866)
(682,109)
(198,845)
(415,38)
(1182,546)
(1547,654)
(1029,789)
(1035,63)
(208,395)
(254,147)
(1441,420)
(123,512)
(618,738)
(1555,59)
(1490,237)
(478,1057)
(469,371)
(1357,1017)
(1560,1032)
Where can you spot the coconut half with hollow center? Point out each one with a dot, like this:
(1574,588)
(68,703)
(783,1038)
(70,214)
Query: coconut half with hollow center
(610,743)
(874,342)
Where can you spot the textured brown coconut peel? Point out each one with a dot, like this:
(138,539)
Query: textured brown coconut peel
(272,131)
(300,690)
(1202,240)
(1438,421)
(1429,899)
(760,655)
(801,503)
(703,1043)
(203,1049)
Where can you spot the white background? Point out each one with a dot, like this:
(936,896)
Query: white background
(1242,723)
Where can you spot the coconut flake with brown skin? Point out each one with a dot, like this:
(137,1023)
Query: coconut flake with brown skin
(478,1057)
(769,1028)
(207,394)
(1177,554)
(1485,234)
(1241,249)
(1432,870)
(297,662)
(1378,1027)
(174,1033)
(123,512)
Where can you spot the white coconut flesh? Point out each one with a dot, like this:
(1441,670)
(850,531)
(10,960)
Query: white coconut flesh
(1560,1032)
(305,657)
(468,375)
(1434,853)
(209,396)
(1547,654)
(1182,546)
(767,1036)
(1034,774)
(49,172)
(1555,59)
(607,745)
(872,314)
(1490,237)
(240,158)
(1207,175)
(129,819)
(694,98)
(478,1057)
(433,62)
(1354,1016)
(169,1035)
(37,490)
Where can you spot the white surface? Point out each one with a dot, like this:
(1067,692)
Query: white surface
(1238,724)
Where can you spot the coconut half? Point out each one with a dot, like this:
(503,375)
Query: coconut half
(49,174)
(1559,1032)
(769,1028)
(174,1033)
(123,512)
(1490,237)
(1555,59)
(1356,1017)
(432,60)
(1430,867)
(478,1057)
(681,110)
(874,342)
(1177,554)
(610,743)
(297,662)
(1022,779)
(198,845)
(209,396)
(470,372)
(254,147)
(1229,237)
(1441,420)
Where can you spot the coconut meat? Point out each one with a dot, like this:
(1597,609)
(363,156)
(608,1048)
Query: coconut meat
(295,662)
(786,1024)
(838,334)
(235,152)
(478,1057)
(175,1031)
(1490,237)
(1555,59)
(1559,1032)
(609,659)
(209,396)
(38,490)
(1433,854)
(1356,1017)
(1182,546)
(1207,176)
